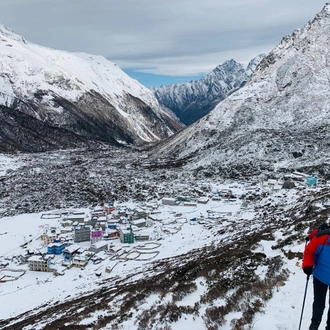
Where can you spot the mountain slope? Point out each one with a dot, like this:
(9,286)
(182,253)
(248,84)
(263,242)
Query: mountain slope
(191,101)
(20,131)
(280,117)
(84,94)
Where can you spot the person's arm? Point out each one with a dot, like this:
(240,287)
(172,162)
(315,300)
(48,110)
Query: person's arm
(311,248)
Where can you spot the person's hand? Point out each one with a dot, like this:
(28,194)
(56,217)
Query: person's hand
(308,270)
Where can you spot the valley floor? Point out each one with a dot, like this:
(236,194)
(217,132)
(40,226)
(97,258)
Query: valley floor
(236,267)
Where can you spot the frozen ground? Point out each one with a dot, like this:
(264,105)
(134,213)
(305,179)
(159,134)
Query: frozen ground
(178,235)
(238,272)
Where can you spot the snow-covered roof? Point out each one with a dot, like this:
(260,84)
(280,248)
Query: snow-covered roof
(99,244)
(39,258)
(72,248)
(138,221)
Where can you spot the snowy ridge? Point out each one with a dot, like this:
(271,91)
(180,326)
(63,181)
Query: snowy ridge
(39,76)
(191,101)
(281,114)
(42,67)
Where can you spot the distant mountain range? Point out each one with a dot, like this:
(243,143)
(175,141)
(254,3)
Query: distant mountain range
(52,99)
(191,101)
(279,119)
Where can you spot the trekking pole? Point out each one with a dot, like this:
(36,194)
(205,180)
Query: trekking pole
(303,305)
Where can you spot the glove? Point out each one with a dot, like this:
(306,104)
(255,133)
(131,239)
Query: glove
(307,239)
(308,270)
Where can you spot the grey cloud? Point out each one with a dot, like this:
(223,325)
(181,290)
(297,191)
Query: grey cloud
(201,43)
(151,33)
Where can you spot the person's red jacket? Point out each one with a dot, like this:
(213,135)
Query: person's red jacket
(317,255)
(317,242)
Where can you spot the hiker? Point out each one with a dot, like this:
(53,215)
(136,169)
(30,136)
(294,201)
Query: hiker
(316,262)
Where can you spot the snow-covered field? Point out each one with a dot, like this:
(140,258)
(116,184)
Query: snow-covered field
(43,287)
(174,238)
(283,310)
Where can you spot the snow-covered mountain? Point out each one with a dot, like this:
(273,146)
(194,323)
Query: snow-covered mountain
(280,117)
(191,101)
(80,96)
(232,263)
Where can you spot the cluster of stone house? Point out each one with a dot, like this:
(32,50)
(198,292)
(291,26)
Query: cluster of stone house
(73,256)
(100,226)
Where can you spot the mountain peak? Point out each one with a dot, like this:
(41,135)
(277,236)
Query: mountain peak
(228,66)
(326,9)
(313,37)
(193,100)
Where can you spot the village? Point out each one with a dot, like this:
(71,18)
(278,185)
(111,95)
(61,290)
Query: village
(111,233)
(77,238)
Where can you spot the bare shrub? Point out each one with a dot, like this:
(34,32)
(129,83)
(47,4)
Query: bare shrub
(182,290)
(214,317)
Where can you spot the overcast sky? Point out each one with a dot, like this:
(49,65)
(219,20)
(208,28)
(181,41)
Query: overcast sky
(160,41)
